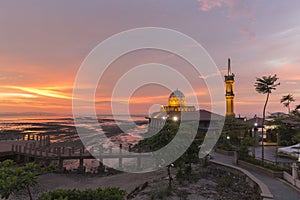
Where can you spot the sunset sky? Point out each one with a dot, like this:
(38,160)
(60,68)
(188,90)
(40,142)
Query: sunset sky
(43,43)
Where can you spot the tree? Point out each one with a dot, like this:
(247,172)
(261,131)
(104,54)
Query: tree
(165,136)
(244,148)
(295,113)
(265,85)
(13,179)
(191,155)
(286,101)
(159,140)
(234,128)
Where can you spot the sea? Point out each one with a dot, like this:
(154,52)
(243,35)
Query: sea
(62,126)
(121,129)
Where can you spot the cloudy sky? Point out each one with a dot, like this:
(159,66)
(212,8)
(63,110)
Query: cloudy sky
(43,44)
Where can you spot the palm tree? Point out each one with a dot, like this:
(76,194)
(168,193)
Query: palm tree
(265,85)
(296,112)
(286,101)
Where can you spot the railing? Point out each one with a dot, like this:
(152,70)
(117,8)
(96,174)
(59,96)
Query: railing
(31,149)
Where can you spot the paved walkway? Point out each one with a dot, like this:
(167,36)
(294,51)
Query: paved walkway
(279,188)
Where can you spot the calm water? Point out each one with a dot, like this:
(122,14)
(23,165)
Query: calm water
(63,131)
(62,128)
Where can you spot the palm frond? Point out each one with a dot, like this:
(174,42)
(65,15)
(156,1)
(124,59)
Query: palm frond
(266,84)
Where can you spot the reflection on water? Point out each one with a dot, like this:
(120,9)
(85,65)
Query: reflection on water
(62,130)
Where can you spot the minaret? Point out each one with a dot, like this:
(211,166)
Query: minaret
(229,80)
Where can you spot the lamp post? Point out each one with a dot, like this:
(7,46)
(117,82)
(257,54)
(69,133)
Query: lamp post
(255,138)
(298,155)
(277,143)
(262,145)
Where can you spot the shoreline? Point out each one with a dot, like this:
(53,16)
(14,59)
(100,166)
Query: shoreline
(63,134)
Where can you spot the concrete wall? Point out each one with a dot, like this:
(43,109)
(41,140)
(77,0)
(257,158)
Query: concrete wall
(252,180)
(268,172)
(224,152)
(289,178)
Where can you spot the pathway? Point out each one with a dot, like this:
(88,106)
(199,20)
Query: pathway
(278,187)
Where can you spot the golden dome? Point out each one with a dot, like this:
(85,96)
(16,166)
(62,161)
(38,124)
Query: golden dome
(177,98)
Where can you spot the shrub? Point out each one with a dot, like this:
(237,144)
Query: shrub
(226,145)
(14,178)
(243,151)
(265,165)
(88,194)
(180,177)
(161,194)
(228,182)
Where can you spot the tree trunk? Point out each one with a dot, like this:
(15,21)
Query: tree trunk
(262,132)
(29,192)
(170,177)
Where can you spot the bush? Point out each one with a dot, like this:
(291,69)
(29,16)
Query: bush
(228,182)
(180,176)
(243,151)
(284,143)
(88,194)
(14,178)
(259,163)
(226,145)
(296,138)
(248,141)
(161,194)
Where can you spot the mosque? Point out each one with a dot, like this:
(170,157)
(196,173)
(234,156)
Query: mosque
(177,108)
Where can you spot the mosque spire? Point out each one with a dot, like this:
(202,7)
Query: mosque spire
(229,80)
(229,67)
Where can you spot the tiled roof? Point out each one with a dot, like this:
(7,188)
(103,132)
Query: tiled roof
(201,115)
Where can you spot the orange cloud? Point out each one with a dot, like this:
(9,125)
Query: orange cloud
(42,92)
(6,95)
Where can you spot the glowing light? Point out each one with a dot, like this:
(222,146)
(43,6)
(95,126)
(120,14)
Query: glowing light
(175,118)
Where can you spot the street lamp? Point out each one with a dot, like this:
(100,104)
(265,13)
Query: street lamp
(175,118)
(277,143)
(255,133)
(255,138)
(298,155)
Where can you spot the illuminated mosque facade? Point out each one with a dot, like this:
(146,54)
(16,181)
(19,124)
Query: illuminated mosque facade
(177,107)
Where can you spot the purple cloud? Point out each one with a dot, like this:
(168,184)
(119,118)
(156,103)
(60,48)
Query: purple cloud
(207,5)
(250,35)
(236,8)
